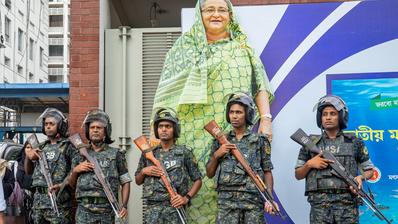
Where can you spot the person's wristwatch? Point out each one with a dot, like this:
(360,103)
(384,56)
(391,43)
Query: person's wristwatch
(267,115)
(124,206)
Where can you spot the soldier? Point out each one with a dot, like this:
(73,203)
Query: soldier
(331,200)
(238,200)
(93,205)
(60,155)
(180,165)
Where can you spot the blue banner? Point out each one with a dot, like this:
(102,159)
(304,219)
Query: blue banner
(373,117)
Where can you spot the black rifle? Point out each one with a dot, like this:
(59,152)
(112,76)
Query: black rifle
(304,140)
(45,170)
(77,141)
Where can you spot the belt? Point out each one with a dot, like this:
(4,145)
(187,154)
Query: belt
(94,200)
(334,191)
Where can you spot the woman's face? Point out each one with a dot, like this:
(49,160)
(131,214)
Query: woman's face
(215,16)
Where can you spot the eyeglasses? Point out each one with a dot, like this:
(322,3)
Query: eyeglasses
(211,11)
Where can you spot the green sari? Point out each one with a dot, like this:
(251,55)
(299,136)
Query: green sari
(196,79)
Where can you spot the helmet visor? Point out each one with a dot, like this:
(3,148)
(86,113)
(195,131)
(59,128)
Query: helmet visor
(51,112)
(334,101)
(96,115)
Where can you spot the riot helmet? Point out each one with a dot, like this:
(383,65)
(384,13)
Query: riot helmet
(338,104)
(166,114)
(100,116)
(246,101)
(60,118)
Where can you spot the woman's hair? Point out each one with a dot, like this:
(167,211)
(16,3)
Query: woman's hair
(202,3)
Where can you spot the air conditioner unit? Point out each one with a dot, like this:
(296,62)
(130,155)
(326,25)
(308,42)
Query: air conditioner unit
(2,41)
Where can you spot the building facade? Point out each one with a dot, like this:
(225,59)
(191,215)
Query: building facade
(24,51)
(58,41)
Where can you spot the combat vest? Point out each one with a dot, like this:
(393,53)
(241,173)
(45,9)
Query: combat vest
(230,174)
(59,163)
(88,184)
(344,149)
(174,162)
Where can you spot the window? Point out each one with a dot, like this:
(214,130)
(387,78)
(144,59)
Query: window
(7,61)
(56,21)
(20,39)
(7,30)
(56,50)
(31,47)
(55,78)
(8,4)
(20,69)
(41,57)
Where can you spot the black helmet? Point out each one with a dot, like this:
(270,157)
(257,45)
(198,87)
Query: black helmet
(166,114)
(62,121)
(101,116)
(338,104)
(244,100)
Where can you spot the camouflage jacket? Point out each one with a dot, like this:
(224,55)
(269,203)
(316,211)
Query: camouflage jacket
(181,166)
(60,158)
(230,175)
(114,166)
(348,150)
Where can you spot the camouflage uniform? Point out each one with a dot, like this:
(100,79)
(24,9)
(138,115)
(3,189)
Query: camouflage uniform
(182,168)
(330,198)
(93,205)
(60,157)
(238,198)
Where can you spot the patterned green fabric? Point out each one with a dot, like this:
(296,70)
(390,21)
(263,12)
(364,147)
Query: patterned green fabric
(196,79)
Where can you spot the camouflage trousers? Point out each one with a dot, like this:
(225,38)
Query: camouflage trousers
(85,216)
(239,207)
(47,215)
(332,208)
(161,213)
